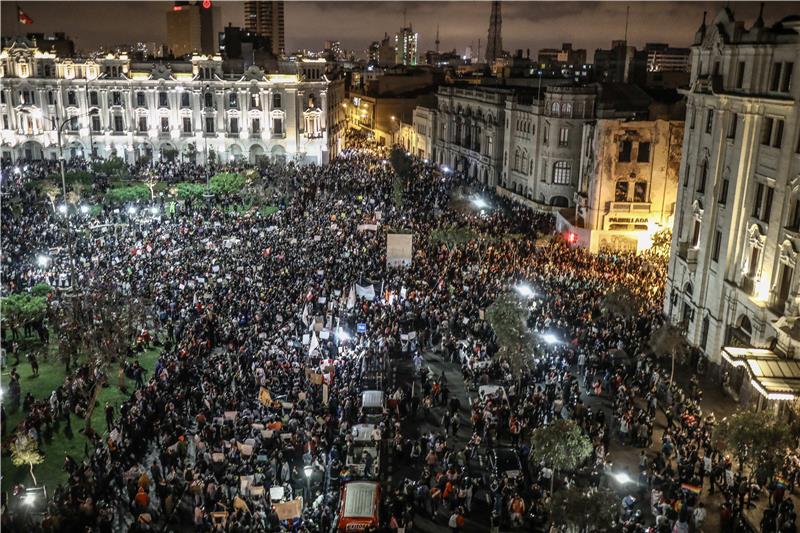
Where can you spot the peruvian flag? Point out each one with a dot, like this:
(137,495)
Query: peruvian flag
(23,17)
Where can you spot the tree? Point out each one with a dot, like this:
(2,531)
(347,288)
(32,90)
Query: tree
(453,236)
(508,317)
(403,168)
(41,289)
(560,445)
(151,180)
(22,308)
(669,340)
(584,510)
(25,451)
(128,193)
(621,301)
(227,183)
(188,190)
(756,439)
(51,190)
(661,245)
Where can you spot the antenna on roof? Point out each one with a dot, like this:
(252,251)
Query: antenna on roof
(627,15)
(437,37)
(404,17)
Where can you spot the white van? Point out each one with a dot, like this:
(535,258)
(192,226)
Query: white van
(372,405)
(366,438)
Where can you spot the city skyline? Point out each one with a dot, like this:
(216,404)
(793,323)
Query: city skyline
(462,24)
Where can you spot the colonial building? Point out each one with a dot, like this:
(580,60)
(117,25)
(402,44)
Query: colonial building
(627,185)
(732,275)
(198,109)
(469,133)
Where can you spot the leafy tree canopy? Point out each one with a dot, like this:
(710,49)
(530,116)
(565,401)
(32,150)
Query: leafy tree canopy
(20,308)
(757,439)
(560,445)
(228,183)
(508,317)
(585,509)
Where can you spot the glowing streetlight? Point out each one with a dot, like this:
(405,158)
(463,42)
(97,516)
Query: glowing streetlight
(154,210)
(62,209)
(85,209)
(308,470)
(131,210)
(29,499)
(549,338)
(622,478)
(445,169)
(480,203)
(525,290)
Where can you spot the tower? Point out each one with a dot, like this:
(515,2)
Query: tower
(437,38)
(266,19)
(494,44)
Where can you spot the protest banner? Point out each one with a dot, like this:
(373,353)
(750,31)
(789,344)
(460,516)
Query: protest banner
(289,510)
(399,249)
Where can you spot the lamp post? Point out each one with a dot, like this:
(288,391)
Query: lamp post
(89,111)
(308,470)
(64,191)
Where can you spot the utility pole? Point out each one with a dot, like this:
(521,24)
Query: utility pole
(437,39)
(627,15)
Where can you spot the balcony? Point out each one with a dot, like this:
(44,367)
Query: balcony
(688,253)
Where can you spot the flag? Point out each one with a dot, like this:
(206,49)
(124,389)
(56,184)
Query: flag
(351,298)
(314,344)
(694,489)
(305,315)
(264,396)
(23,17)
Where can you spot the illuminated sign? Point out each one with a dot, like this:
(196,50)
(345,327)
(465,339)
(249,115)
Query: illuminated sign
(628,220)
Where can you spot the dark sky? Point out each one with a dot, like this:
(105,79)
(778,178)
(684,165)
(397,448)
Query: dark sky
(531,25)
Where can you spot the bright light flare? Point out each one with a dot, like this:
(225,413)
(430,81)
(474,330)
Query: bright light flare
(480,203)
(85,209)
(29,499)
(622,478)
(131,210)
(524,290)
(549,338)
(62,209)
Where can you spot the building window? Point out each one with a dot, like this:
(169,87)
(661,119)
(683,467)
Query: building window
(686,175)
(255,101)
(740,75)
(701,185)
(185,99)
(640,191)
(51,97)
(768,204)
(758,200)
(755,256)
(787,274)
(209,100)
(233,100)
(625,151)
(162,99)
(717,245)
(709,120)
(567,110)
(732,126)
(95,124)
(209,124)
(691,121)
(277,125)
(164,125)
(276,101)
(142,124)
(119,124)
(644,153)
(187,125)
(255,125)
(71,99)
(777,136)
(563,137)
(555,109)
(116,98)
(545,134)
(233,126)
(93,99)
(776,77)
(786,81)
(621,191)
(561,173)
(723,192)
(696,234)
(140,99)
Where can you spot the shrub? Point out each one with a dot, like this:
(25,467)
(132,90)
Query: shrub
(130,193)
(189,190)
(228,183)
(41,289)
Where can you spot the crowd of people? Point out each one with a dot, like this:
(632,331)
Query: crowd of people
(266,348)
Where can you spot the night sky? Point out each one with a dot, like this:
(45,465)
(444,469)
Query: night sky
(531,25)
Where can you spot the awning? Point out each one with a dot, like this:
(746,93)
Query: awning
(774,377)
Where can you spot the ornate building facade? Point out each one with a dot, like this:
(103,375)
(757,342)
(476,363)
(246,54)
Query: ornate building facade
(190,110)
(733,270)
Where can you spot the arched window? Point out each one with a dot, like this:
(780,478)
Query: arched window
(555,109)
(561,173)
(517,159)
(567,110)
(209,98)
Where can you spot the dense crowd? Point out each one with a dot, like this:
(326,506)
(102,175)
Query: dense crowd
(265,353)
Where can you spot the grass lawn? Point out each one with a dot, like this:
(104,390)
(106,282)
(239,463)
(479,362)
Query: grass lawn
(51,375)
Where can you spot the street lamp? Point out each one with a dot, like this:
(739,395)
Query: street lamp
(131,210)
(622,478)
(62,209)
(308,470)
(42,260)
(85,209)
(525,290)
(480,203)
(549,338)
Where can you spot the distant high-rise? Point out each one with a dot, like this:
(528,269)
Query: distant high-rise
(494,45)
(405,44)
(266,19)
(192,28)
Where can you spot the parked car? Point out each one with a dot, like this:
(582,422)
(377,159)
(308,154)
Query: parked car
(505,462)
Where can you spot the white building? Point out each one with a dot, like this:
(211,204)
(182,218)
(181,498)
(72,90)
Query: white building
(732,275)
(194,109)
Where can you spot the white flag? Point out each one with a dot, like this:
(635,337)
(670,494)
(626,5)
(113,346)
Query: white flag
(351,298)
(304,318)
(313,345)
